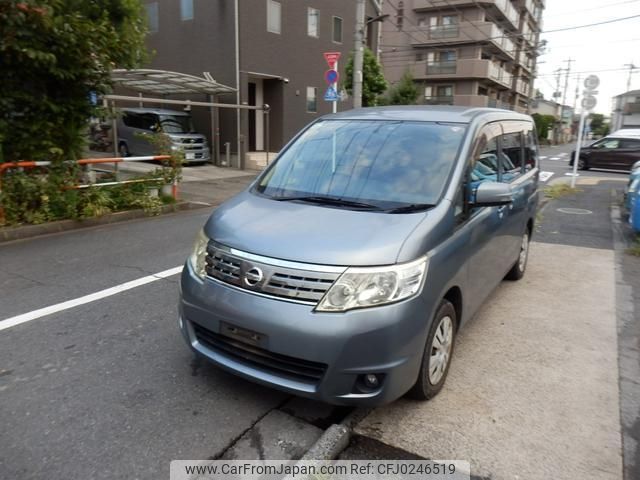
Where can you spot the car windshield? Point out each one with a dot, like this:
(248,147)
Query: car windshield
(386,164)
(176,124)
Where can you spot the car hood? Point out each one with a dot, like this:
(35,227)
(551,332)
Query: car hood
(310,233)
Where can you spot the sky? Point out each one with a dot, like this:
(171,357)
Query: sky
(593,49)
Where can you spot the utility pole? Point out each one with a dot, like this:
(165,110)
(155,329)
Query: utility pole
(564,93)
(632,67)
(556,97)
(358,56)
(575,99)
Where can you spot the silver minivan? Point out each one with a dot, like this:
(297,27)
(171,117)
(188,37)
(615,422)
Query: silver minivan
(136,123)
(344,272)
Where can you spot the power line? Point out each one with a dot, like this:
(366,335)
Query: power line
(573,12)
(590,24)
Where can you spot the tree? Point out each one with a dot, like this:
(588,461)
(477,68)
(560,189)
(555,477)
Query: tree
(56,55)
(543,124)
(373,82)
(598,125)
(404,93)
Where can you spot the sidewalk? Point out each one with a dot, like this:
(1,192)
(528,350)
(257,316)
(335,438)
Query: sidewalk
(533,387)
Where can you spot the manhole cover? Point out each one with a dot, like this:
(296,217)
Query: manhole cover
(575,211)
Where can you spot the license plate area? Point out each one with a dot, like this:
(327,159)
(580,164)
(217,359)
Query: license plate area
(242,334)
(189,156)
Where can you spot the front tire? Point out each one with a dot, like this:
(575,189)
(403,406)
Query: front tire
(582,164)
(436,357)
(518,269)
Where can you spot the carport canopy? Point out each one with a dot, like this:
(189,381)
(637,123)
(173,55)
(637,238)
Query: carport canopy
(163,82)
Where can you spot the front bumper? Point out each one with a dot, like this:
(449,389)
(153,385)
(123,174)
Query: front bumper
(387,341)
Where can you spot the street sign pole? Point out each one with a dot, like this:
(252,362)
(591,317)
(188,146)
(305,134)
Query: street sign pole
(334,108)
(332,76)
(578,146)
(588,103)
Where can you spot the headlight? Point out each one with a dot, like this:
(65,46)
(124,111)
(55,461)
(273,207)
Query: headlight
(197,259)
(369,287)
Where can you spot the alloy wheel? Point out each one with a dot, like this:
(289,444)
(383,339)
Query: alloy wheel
(441,346)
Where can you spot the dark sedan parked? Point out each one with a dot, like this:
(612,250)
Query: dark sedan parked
(615,153)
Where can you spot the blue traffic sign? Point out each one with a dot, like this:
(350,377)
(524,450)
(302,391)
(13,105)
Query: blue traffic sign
(331,76)
(331,95)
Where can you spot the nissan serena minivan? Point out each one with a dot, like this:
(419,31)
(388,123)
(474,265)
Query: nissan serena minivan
(345,271)
(137,123)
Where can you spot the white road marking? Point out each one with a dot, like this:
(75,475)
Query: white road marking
(563,154)
(555,158)
(92,297)
(544,176)
(543,157)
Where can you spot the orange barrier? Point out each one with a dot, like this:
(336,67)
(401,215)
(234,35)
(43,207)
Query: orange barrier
(90,161)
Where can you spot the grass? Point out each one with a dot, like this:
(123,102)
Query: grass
(634,249)
(559,190)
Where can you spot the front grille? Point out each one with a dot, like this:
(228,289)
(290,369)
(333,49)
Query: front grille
(280,365)
(192,140)
(287,280)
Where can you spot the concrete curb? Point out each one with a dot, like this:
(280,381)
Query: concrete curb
(8,234)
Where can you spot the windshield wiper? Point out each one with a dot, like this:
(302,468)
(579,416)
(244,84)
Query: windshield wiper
(339,202)
(413,207)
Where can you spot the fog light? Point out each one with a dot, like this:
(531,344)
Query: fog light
(371,381)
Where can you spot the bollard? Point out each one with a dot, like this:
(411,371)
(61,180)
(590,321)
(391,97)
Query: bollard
(227,154)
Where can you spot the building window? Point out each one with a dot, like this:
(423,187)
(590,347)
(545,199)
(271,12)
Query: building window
(438,94)
(312,99)
(186,9)
(274,16)
(313,22)
(337,29)
(152,17)
(400,15)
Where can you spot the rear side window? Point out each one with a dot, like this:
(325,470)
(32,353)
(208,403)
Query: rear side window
(630,143)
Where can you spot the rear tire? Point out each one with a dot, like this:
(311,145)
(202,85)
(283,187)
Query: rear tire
(436,357)
(582,164)
(123,150)
(518,269)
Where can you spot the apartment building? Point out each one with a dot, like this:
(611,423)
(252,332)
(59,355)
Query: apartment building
(464,52)
(281,46)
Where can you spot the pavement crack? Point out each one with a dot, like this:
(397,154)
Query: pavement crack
(24,277)
(235,439)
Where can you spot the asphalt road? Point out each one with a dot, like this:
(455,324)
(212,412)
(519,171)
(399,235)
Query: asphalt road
(108,389)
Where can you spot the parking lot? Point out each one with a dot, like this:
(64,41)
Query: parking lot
(103,386)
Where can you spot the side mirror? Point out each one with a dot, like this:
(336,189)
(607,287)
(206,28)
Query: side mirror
(491,194)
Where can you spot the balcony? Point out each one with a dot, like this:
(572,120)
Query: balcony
(501,9)
(467,101)
(522,87)
(464,68)
(466,32)
(438,68)
(631,108)
(439,100)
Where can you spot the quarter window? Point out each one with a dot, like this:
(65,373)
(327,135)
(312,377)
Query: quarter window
(274,16)
(337,29)
(312,99)
(313,22)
